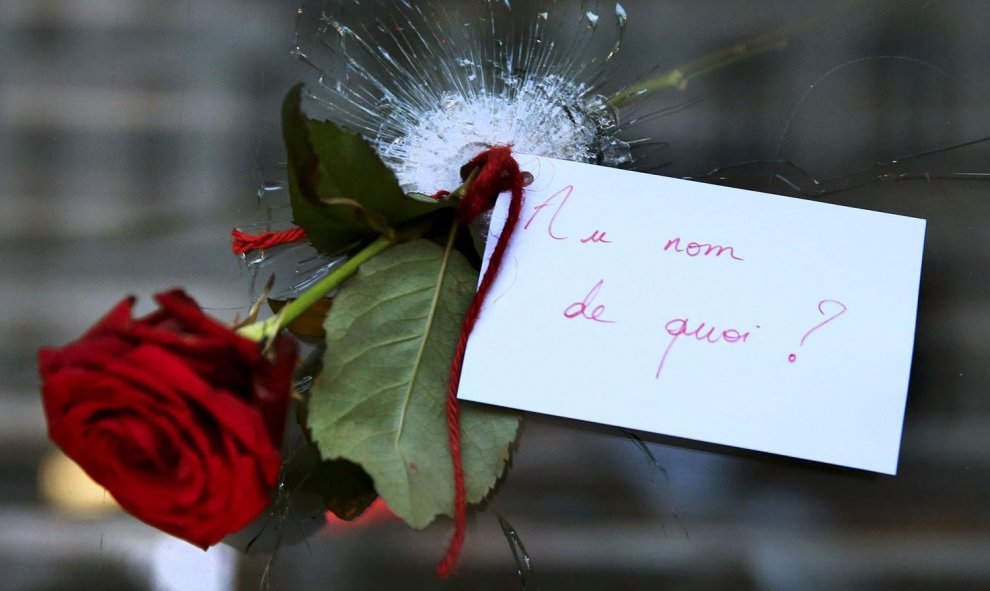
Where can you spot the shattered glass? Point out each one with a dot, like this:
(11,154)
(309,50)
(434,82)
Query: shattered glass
(433,83)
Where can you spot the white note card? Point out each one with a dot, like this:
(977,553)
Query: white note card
(733,317)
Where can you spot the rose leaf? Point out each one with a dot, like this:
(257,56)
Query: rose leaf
(337,183)
(379,402)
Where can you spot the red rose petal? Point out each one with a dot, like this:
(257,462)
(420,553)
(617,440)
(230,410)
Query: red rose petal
(176,415)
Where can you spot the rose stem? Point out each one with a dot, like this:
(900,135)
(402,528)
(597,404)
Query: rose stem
(678,77)
(269,326)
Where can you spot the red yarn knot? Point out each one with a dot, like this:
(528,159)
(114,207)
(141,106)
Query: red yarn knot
(242,243)
(497,172)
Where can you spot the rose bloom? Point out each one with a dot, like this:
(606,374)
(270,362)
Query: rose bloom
(176,415)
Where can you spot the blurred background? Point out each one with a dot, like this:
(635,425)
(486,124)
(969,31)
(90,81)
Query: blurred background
(134,134)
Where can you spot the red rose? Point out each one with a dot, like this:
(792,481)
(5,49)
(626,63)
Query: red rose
(175,414)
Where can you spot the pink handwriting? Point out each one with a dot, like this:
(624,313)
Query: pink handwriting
(694,249)
(581,308)
(793,356)
(678,328)
(566,193)
(596,236)
(558,200)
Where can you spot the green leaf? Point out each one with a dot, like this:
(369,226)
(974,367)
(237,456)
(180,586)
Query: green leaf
(379,402)
(423,197)
(330,171)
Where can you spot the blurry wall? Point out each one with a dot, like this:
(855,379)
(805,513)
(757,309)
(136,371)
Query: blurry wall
(134,135)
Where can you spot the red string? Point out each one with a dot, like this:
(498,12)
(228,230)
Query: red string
(498,172)
(242,243)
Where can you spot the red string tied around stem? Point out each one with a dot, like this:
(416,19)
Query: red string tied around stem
(242,242)
(498,172)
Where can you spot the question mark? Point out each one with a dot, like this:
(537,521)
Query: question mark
(792,357)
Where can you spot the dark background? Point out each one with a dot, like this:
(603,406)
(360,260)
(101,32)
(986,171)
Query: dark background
(134,134)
